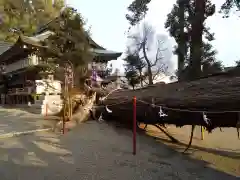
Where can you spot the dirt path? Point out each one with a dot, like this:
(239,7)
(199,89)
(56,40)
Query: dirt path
(96,151)
(220,149)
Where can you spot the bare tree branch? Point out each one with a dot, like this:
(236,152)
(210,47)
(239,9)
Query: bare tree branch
(143,45)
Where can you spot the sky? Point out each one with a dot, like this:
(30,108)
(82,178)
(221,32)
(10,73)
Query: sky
(106,19)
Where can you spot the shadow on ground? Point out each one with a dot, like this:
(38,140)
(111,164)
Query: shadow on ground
(221,158)
(97,151)
(16,120)
(221,152)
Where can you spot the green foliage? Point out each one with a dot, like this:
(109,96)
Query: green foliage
(135,61)
(137,11)
(207,68)
(174,23)
(228,5)
(70,40)
(237,63)
(25,16)
(179,23)
(132,77)
(134,66)
(211,67)
(208,54)
(68,44)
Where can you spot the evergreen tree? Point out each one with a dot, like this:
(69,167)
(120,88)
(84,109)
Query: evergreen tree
(134,67)
(68,44)
(195,13)
(184,47)
(139,8)
(25,16)
(237,63)
(137,11)
(67,52)
(176,22)
(228,5)
(132,76)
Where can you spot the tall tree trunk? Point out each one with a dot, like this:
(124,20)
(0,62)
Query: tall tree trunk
(181,43)
(149,65)
(196,40)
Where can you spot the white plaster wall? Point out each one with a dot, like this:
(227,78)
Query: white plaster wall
(47,105)
(51,105)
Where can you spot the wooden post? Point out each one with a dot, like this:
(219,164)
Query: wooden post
(71,108)
(202,133)
(63,128)
(46,111)
(134,124)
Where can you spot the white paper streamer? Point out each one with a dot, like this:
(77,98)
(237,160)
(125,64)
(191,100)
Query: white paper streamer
(206,119)
(108,110)
(161,113)
(100,119)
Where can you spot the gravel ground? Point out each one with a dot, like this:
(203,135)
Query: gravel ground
(17,120)
(96,151)
(220,149)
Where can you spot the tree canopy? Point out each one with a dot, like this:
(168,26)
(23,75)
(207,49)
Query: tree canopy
(149,47)
(134,69)
(68,44)
(186,23)
(25,16)
(179,26)
(139,8)
(190,35)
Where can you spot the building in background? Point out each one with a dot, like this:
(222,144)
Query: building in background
(22,83)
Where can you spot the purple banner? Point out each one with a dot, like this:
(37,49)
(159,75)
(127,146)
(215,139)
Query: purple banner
(94,75)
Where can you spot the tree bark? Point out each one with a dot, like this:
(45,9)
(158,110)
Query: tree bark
(149,66)
(182,43)
(220,91)
(196,40)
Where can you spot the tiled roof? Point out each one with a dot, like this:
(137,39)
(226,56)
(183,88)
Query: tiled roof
(4,46)
(105,52)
